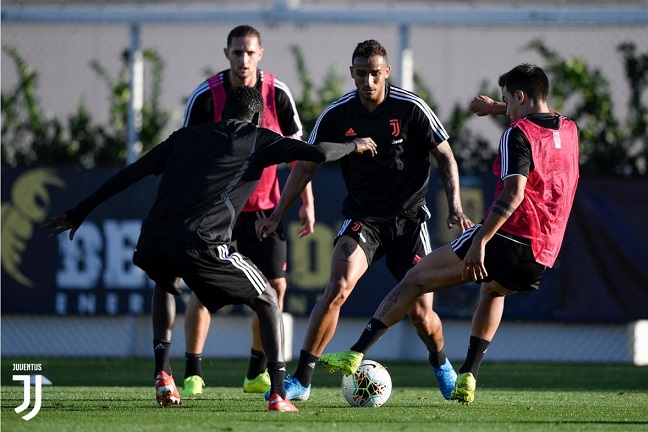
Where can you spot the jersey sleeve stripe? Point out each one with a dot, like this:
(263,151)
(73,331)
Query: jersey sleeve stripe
(344,99)
(400,94)
(202,88)
(504,154)
(284,88)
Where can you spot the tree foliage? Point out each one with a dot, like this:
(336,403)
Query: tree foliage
(314,100)
(30,136)
(609,146)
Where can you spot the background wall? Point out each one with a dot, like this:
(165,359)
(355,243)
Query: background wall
(453,61)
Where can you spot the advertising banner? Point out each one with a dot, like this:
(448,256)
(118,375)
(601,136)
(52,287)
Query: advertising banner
(601,274)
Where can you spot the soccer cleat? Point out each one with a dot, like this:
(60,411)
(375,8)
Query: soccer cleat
(166,391)
(277,403)
(464,390)
(446,376)
(192,386)
(258,384)
(294,389)
(346,361)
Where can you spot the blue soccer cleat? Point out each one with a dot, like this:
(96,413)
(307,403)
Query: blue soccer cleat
(294,389)
(446,376)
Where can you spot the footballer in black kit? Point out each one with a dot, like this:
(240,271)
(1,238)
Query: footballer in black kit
(208,173)
(385,206)
(405,130)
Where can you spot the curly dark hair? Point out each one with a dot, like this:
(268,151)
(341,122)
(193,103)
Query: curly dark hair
(369,48)
(242,103)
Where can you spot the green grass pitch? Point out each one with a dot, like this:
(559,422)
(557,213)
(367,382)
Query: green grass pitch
(118,395)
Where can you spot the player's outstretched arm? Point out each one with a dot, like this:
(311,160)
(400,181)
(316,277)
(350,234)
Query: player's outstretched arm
(60,224)
(299,177)
(483,105)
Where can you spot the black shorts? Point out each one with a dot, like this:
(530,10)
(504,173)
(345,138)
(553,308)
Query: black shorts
(268,255)
(219,276)
(509,260)
(403,240)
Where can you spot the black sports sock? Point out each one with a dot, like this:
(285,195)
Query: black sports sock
(193,364)
(161,354)
(277,371)
(437,359)
(305,368)
(476,350)
(370,335)
(257,364)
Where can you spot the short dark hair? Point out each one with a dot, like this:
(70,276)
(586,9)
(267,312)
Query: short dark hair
(243,31)
(242,103)
(367,49)
(531,79)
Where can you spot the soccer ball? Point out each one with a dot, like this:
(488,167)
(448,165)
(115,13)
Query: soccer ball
(369,386)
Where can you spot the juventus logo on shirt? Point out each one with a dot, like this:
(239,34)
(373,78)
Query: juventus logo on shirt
(395,127)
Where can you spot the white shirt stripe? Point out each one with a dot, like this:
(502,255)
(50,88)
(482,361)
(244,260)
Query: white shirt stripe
(504,153)
(282,86)
(344,99)
(401,94)
(202,88)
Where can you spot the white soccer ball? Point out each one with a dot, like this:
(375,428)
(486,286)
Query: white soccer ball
(369,386)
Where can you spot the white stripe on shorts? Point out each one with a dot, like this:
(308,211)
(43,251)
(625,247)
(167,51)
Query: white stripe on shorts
(425,233)
(425,238)
(345,224)
(237,260)
(464,237)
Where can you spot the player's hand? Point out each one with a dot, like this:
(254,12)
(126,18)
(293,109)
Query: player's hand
(472,265)
(458,218)
(59,224)
(366,144)
(482,105)
(306,220)
(265,227)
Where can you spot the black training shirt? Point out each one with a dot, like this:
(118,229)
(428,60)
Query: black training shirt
(208,173)
(405,130)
